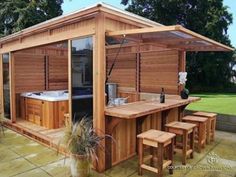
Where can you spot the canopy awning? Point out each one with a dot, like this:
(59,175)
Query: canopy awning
(171,37)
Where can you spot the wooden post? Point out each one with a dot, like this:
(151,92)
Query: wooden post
(185,144)
(12,87)
(1,87)
(46,60)
(182,68)
(99,74)
(170,155)
(138,56)
(140,155)
(182,65)
(160,152)
(69,82)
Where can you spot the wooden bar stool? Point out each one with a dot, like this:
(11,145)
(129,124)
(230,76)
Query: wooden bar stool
(161,141)
(201,123)
(211,124)
(187,133)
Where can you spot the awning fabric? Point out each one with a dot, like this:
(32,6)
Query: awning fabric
(176,37)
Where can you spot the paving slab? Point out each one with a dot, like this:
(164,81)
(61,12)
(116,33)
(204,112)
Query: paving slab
(22,157)
(44,157)
(58,169)
(14,167)
(27,149)
(33,173)
(7,155)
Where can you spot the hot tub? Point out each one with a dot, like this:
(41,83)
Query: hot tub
(46,108)
(60,95)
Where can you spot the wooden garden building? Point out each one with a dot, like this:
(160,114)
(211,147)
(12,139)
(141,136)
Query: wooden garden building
(60,67)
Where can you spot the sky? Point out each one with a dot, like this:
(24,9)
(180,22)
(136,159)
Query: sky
(73,5)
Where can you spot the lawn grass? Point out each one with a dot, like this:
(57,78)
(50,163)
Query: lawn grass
(223,103)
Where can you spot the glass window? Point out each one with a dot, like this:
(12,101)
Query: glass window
(6,86)
(82,78)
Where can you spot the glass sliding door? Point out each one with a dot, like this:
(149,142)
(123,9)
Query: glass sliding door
(82,78)
(6,85)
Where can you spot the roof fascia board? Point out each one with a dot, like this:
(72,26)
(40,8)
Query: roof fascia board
(141,31)
(50,24)
(180,28)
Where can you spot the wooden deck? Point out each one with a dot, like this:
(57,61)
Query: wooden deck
(48,137)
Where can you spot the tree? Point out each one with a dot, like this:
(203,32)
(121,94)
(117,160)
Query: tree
(16,15)
(233,66)
(207,70)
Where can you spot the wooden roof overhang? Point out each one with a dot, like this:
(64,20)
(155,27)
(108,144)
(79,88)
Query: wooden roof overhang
(176,37)
(15,39)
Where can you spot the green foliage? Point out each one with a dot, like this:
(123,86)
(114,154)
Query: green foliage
(207,17)
(16,15)
(81,139)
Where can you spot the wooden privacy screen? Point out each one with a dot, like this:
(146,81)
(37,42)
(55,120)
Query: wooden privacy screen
(29,72)
(159,69)
(57,73)
(124,71)
(156,69)
(38,71)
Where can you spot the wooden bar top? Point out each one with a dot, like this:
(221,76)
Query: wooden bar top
(142,108)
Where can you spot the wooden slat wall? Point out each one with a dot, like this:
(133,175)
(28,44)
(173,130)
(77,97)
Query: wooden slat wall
(29,72)
(173,115)
(124,145)
(132,96)
(152,122)
(124,71)
(58,73)
(128,139)
(113,25)
(159,69)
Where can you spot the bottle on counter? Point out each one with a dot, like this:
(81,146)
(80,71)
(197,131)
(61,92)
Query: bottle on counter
(162,96)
